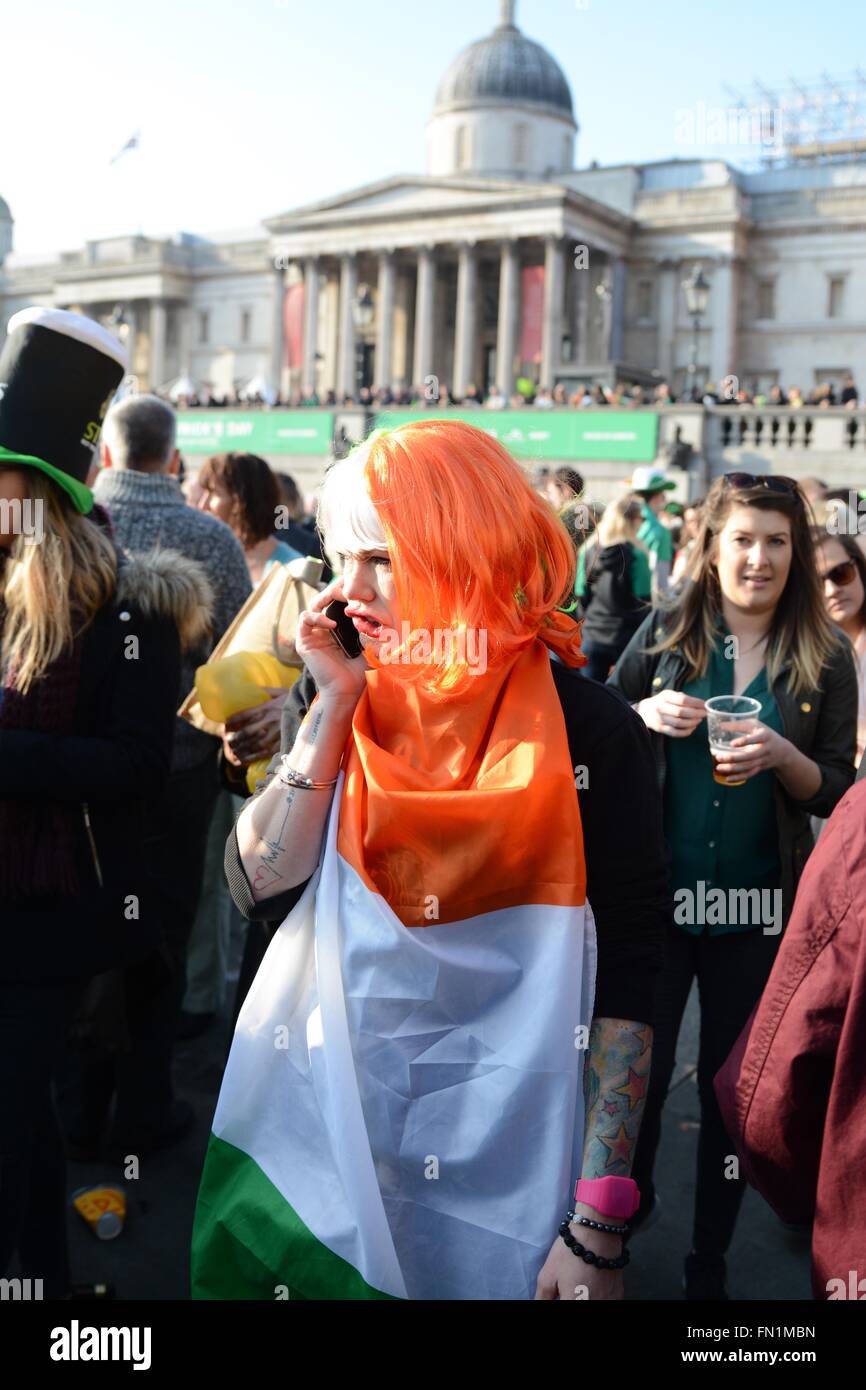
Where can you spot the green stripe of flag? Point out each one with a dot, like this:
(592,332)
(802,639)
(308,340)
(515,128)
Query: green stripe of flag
(248,1243)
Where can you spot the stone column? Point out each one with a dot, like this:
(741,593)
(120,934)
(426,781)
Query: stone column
(157,344)
(617,309)
(311,323)
(723,317)
(506,334)
(184,340)
(554,286)
(278,333)
(130,342)
(386,294)
(330,313)
(424,317)
(346,383)
(467,315)
(667,319)
(581,316)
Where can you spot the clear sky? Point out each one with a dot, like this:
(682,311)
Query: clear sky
(250,108)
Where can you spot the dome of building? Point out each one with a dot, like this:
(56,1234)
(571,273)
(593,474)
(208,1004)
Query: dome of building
(505,66)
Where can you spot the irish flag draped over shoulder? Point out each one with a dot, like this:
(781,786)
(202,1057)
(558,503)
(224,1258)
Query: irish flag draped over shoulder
(402,1114)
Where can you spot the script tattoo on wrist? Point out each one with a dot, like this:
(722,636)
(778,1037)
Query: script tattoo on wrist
(616,1076)
(311,734)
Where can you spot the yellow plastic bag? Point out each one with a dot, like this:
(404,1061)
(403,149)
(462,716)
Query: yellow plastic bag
(233,683)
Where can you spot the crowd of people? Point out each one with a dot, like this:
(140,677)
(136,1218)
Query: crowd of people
(624,396)
(607,630)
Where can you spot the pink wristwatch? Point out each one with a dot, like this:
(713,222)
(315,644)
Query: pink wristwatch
(617,1197)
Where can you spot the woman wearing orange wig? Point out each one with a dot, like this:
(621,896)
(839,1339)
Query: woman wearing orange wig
(443,1034)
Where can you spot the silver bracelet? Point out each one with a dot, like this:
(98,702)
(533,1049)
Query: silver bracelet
(290,778)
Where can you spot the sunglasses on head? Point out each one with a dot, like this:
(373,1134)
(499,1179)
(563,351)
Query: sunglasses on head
(842,574)
(773,482)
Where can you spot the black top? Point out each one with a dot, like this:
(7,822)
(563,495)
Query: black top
(115,759)
(613,611)
(621,815)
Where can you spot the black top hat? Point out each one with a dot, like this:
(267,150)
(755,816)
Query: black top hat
(58,375)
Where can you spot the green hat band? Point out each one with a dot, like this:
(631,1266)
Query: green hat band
(79,492)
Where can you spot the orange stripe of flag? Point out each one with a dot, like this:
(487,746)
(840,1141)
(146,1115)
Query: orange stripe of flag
(468,806)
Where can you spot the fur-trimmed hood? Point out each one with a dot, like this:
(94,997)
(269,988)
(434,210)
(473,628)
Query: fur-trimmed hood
(165,584)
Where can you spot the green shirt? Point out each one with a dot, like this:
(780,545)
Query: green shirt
(656,537)
(722,837)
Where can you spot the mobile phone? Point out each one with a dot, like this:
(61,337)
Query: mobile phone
(345,632)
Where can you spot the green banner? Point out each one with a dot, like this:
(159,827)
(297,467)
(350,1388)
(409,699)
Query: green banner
(255,431)
(534,434)
(616,434)
(555,434)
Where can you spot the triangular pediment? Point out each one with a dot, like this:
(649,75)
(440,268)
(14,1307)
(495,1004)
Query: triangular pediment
(409,194)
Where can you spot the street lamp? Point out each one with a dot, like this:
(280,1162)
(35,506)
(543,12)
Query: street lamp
(118,322)
(363,313)
(120,327)
(604,295)
(697,290)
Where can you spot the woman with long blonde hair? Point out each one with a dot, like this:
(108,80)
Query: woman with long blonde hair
(749,622)
(89,677)
(402,1114)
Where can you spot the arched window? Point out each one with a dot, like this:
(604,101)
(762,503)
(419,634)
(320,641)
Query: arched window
(520,147)
(461,159)
(566,152)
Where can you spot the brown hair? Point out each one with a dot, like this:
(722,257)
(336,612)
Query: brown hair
(800,633)
(253,488)
(853,551)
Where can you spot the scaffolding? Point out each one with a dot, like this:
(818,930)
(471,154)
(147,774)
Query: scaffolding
(817,120)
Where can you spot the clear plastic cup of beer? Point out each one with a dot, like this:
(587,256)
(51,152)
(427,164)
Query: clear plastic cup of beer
(729,717)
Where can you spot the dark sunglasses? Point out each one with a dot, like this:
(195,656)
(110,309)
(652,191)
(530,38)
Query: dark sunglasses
(842,574)
(773,482)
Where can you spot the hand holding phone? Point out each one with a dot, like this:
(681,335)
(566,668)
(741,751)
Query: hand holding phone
(345,633)
(338,666)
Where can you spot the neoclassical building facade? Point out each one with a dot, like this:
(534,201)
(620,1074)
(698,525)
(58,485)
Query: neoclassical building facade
(505,259)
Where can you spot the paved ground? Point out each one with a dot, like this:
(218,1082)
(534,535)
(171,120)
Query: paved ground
(150,1259)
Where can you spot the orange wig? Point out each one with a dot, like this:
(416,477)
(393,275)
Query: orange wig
(472,545)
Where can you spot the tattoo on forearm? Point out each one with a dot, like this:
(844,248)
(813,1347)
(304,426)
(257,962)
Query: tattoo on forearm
(616,1075)
(266,875)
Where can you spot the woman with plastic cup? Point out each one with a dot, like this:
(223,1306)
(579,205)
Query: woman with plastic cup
(749,621)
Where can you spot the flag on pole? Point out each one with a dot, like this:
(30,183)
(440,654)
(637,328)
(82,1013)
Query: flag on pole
(402,1111)
(133,143)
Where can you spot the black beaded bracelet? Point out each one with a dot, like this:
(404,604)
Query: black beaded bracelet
(589,1256)
(598,1225)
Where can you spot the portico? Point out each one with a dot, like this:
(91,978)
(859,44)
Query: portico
(471,285)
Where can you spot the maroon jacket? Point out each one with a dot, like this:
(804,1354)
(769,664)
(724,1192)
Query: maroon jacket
(793,1091)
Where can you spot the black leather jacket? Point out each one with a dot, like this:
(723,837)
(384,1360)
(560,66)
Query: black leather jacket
(821,723)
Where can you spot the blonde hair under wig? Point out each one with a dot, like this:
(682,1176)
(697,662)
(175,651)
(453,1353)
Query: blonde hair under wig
(52,589)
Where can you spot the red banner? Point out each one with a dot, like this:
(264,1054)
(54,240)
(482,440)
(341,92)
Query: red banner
(531,312)
(293,324)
